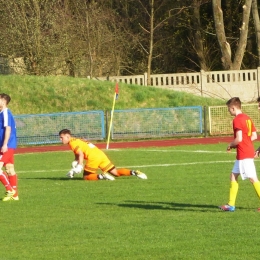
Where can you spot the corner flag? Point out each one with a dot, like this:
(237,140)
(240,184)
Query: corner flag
(117,90)
(112,113)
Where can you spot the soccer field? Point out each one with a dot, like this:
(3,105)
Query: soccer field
(172,215)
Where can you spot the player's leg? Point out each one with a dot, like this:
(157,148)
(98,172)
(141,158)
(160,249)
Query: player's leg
(12,176)
(93,164)
(4,179)
(107,166)
(128,172)
(250,173)
(5,158)
(8,159)
(90,170)
(256,185)
(233,188)
(90,176)
(123,172)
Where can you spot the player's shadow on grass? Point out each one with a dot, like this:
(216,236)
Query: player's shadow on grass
(158,205)
(175,206)
(52,178)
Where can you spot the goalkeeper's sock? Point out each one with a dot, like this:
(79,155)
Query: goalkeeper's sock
(5,181)
(233,193)
(13,183)
(91,177)
(256,185)
(124,172)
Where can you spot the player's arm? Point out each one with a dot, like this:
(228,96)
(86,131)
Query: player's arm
(6,139)
(257,151)
(79,158)
(236,141)
(253,136)
(76,158)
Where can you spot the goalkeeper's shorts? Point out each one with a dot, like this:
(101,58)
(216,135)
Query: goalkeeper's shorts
(98,161)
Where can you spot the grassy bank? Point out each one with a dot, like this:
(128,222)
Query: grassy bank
(36,95)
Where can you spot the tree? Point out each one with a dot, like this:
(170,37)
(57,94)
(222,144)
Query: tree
(227,62)
(257,27)
(158,13)
(28,32)
(121,37)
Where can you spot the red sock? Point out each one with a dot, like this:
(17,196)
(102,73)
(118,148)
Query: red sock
(13,183)
(5,174)
(5,181)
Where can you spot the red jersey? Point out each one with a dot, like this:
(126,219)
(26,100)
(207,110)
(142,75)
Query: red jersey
(245,149)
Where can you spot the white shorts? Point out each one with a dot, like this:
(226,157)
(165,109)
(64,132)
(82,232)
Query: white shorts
(246,168)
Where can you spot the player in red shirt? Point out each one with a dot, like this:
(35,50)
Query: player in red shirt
(244,135)
(257,152)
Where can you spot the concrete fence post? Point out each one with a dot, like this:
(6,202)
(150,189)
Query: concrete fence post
(203,81)
(258,80)
(145,79)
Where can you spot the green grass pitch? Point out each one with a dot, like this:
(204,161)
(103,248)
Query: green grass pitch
(172,215)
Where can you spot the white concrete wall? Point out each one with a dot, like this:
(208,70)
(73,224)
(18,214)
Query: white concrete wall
(218,84)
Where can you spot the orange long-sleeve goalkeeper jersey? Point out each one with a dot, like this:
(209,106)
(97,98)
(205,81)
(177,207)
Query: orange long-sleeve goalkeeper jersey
(86,147)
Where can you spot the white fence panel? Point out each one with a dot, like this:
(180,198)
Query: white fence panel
(218,84)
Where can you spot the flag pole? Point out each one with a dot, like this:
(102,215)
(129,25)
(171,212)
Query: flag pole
(112,114)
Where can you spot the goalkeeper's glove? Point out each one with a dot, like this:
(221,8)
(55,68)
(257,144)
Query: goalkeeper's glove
(78,169)
(74,164)
(70,174)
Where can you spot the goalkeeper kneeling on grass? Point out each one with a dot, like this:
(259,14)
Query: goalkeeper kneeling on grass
(95,159)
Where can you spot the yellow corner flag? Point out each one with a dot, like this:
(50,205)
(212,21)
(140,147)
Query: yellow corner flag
(112,113)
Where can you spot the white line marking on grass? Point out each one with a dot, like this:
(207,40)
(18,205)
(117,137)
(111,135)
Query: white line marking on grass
(66,151)
(140,166)
(120,150)
(42,152)
(176,164)
(38,171)
(183,151)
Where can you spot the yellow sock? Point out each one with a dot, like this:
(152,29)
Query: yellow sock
(233,193)
(257,188)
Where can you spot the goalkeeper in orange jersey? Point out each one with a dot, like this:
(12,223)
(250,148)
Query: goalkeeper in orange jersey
(95,159)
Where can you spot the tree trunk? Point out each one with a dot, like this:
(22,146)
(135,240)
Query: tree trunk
(243,36)
(198,39)
(257,27)
(150,55)
(220,31)
(223,43)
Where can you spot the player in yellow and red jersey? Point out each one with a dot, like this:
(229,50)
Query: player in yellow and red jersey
(244,135)
(95,159)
